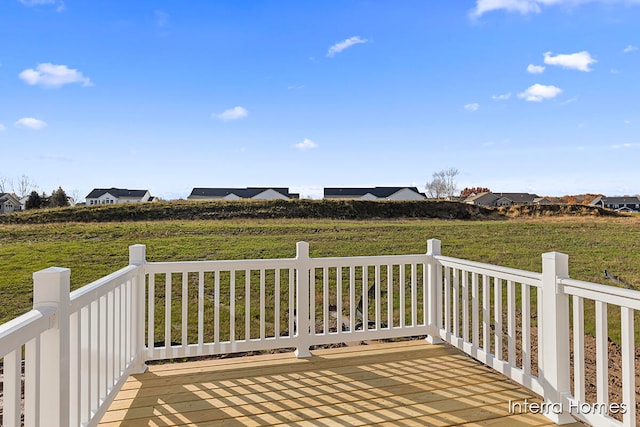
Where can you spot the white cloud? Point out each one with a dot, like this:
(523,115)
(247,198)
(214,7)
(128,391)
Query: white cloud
(577,61)
(630,48)
(306,144)
(532,6)
(538,93)
(234,113)
(51,75)
(502,97)
(31,3)
(30,123)
(535,69)
(521,6)
(472,107)
(626,145)
(345,44)
(2,127)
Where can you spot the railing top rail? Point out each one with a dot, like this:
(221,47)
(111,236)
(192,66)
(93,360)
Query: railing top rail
(221,265)
(240,264)
(364,260)
(22,329)
(618,296)
(94,290)
(507,273)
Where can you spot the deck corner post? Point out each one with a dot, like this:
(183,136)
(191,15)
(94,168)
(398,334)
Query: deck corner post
(303,321)
(51,288)
(554,330)
(138,257)
(137,254)
(433,292)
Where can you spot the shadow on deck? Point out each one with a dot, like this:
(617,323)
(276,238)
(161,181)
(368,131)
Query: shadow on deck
(400,384)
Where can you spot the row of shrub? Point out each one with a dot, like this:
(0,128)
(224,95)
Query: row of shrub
(319,209)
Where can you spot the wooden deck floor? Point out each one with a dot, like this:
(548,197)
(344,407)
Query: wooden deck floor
(395,384)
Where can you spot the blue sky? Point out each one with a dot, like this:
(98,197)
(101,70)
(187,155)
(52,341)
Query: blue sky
(519,95)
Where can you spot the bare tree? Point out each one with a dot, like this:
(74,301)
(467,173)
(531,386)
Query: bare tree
(443,184)
(75,196)
(4,184)
(24,186)
(436,187)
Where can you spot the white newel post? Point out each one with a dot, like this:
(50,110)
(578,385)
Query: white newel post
(138,256)
(555,337)
(51,288)
(433,292)
(303,323)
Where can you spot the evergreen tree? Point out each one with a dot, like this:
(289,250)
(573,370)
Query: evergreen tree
(58,198)
(34,201)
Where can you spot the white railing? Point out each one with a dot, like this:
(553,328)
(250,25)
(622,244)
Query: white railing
(627,302)
(92,339)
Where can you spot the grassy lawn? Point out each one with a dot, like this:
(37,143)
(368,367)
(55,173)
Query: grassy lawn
(93,250)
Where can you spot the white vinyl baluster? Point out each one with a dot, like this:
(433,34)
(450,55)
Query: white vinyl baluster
(325,300)
(216,307)
(390,297)
(276,305)
(262,303)
(526,329)
(486,314)
(292,305)
(497,316)
(475,318)
(247,305)
(602,353)
(232,306)
(11,398)
(167,314)
(511,322)
(151,322)
(465,305)
(414,295)
(403,299)
(628,364)
(201,310)
(447,299)
(578,349)
(456,302)
(185,310)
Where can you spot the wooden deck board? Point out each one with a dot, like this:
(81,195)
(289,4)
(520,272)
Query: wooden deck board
(402,383)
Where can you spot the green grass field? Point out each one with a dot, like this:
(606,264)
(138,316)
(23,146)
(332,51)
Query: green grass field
(93,250)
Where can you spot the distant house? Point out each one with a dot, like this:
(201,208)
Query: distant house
(109,196)
(9,203)
(620,204)
(374,193)
(256,193)
(506,199)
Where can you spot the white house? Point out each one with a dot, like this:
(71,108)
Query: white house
(256,193)
(9,203)
(374,193)
(621,204)
(107,196)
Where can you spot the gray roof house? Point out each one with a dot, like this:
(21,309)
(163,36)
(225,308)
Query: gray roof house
(106,196)
(374,193)
(9,203)
(620,204)
(256,193)
(506,199)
